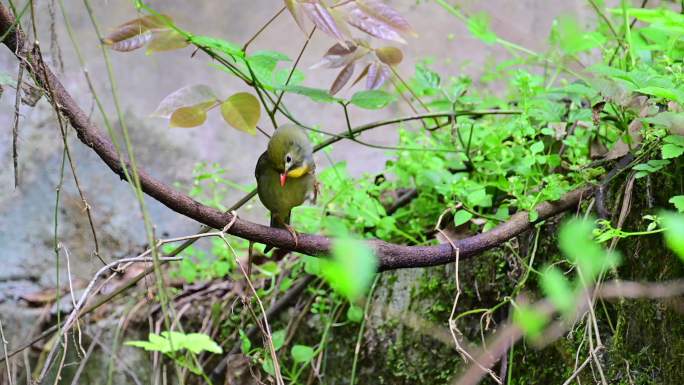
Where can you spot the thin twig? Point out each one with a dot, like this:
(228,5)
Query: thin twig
(85,358)
(294,67)
(15,125)
(269,338)
(509,334)
(359,336)
(263,27)
(4,348)
(579,369)
(73,316)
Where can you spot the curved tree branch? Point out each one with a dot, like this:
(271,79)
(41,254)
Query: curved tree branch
(391,256)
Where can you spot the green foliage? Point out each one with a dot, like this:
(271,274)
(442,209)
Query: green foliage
(372,100)
(674,233)
(576,241)
(478,169)
(478,25)
(218,45)
(170,342)
(571,38)
(315,94)
(530,320)
(558,290)
(302,354)
(674,147)
(678,202)
(180,347)
(351,269)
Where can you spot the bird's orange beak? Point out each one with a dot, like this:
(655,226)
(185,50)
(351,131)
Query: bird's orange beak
(283,178)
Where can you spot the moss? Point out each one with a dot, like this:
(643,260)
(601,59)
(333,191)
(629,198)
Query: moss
(646,334)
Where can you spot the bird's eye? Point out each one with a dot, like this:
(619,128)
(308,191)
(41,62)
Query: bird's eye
(288,159)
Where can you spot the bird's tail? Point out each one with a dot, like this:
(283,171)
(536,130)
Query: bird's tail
(279,224)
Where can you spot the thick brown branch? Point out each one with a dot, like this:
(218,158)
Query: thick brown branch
(391,256)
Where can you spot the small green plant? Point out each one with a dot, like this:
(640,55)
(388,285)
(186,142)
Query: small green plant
(182,348)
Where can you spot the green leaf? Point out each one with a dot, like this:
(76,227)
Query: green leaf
(479,198)
(315,94)
(312,265)
(674,233)
(663,93)
(302,354)
(269,268)
(245,344)
(372,100)
(670,151)
(576,241)
(531,321)
(169,342)
(199,342)
(242,111)
(272,55)
(278,339)
(572,39)
(677,140)
(427,78)
(355,313)
(533,215)
(678,202)
(462,217)
(352,268)
(280,77)
(558,289)
(268,366)
(219,45)
(188,117)
(537,147)
(263,65)
(479,26)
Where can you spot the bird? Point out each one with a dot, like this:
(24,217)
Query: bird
(285,175)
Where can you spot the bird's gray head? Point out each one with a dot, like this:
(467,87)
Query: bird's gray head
(290,151)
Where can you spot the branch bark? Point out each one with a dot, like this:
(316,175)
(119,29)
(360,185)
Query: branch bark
(391,256)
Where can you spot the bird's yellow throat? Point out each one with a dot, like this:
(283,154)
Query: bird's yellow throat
(294,173)
(298,172)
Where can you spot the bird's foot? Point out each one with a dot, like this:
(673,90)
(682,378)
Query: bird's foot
(316,190)
(292,231)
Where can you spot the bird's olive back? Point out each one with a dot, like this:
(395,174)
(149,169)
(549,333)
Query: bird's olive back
(289,139)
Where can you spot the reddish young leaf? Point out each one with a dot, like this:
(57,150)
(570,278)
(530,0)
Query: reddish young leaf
(339,56)
(381,11)
(362,74)
(377,19)
(136,27)
(132,43)
(149,29)
(327,20)
(342,78)
(378,74)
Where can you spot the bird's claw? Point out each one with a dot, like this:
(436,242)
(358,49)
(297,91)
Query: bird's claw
(292,231)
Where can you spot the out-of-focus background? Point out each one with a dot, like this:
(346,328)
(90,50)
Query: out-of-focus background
(142,81)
